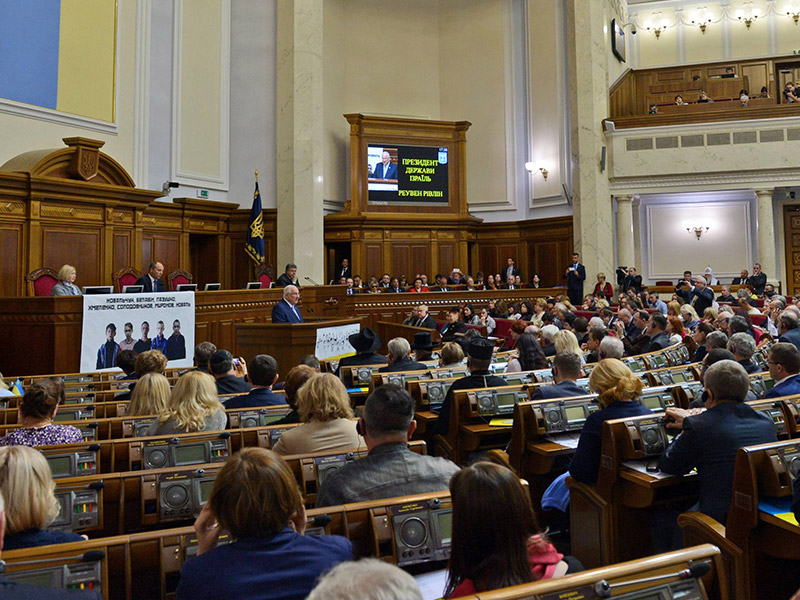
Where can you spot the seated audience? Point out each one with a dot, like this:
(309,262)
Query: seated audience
(636,343)
(784,366)
(149,361)
(496,541)
(310,361)
(526,310)
(788,328)
(565,341)
(193,406)
(487,321)
(611,347)
(257,501)
(263,374)
(150,397)
(66,282)
(230,374)
(679,101)
(592,346)
(548,334)
(675,330)
(400,357)
(656,329)
(324,409)
(468,315)
(710,440)
(295,379)
(743,346)
(618,392)
(366,579)
(418,287)
(703,98)
(603,286)
(36,413)
(716,339)
(566,371)
(689,317)
(479,359)
(530,355)
(700,334)
(390,469)
(451,355)
(365,343)
(126,360)
(202,354)
(31,506)
(422,346)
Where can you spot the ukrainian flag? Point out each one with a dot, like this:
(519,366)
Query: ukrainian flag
(16,389)
(59,54)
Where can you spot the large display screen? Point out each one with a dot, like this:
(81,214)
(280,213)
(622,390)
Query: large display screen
(407,175)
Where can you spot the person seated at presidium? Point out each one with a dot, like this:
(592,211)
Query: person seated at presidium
(263,374)
(36,412)
(151,281)
(193,406)
(326,417)
(286,310)
(288,277)
(27,486)
(256,500)
(496,540)
(399,357)
(150,396)
(66,282)
(710,440)
(391,468)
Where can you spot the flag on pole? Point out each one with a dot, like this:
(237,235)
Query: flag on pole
(16,389)
(255,230)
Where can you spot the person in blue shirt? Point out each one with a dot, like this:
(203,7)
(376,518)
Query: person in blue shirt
(257,501)
(784,366)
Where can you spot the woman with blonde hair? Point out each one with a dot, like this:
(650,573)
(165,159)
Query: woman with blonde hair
(193,406)
(30,502)
(66,282)
(451,355)
(326,417)
(566,341)
(690,317)
(150,396)
(710,314)
(618,391)
(673,309)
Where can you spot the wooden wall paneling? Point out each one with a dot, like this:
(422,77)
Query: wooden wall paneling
(400,257)
(758,75)
(82,248)
(420,259)
(147,252)
(166,250)
(373,257)
(488,259)
(122,250)
(447,253)
(791,232)
(12,278)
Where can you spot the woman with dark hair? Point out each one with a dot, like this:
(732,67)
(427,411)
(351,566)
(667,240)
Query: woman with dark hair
(37,412)
(536,282)
(468,315)
(490,284)
(256,500)
(526,310)
(496,541)
(530,355)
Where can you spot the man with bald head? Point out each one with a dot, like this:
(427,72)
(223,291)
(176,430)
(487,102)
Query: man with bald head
(286,311)
(151,282)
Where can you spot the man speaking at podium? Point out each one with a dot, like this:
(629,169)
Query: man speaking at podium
(385,169)
(286,310)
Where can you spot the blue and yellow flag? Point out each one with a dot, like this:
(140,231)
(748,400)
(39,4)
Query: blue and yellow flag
(16,389)
(255,230)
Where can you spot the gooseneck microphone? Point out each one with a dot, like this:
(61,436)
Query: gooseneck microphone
(602,589)
(314,313)
(311,280)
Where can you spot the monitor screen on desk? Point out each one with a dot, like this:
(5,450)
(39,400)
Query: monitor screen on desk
(132,289)
(253,285)
(212,287)
(186,287)
(97,289)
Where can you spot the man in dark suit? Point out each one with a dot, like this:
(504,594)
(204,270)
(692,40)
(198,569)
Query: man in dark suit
(784,366)
(230,373)
(365,342)
(385,169)
(420,318)
(453,325)
(701,297)
(742,279)
(632,281)
(575,276)
(151,282)
(636,342)
(566,370)
(345,271)
(711,439)
(263,373)
(758,280)
(288,277)
(743,346)
(656,329)
(441,286)
(788,328)
(286,310)
(400,358)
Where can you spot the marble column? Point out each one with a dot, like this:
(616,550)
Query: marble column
(767,254)
(588,92)
(299,138)
(625,248)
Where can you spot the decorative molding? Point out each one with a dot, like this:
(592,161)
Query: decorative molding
(53,116)
(721,126)
(511,200)
(141,104)
(220,182)
(736,178)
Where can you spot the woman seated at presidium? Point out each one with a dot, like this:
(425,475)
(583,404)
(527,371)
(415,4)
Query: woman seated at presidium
(257,501)
(36,411)
(30,501)
(66,282)
(193,406)
(326,417)
(496,541)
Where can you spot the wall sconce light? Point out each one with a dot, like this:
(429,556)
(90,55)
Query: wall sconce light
(748,17)
(656,28)
(792,12)
(697,230)
(701,19)
(531,167)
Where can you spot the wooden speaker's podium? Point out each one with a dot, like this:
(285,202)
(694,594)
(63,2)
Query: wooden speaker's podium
(285,342)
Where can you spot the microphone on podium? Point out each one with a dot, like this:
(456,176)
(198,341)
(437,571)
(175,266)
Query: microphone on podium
(602,588)
(315,315)
(311,280)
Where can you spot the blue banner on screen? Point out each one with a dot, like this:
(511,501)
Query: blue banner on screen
(407,174)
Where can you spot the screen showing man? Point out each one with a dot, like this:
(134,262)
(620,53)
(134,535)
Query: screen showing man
(407,175)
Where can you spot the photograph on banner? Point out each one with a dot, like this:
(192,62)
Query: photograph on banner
(333,343)
(116,322)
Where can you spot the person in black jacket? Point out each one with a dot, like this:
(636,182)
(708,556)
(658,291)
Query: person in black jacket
(701,296)
(400,359)
(365,343)
(632,281)
(656,329)
(453,325)
(231,376)
(758,280)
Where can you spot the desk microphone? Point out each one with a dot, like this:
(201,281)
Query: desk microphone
(311,280)
(314,313)
(602,589)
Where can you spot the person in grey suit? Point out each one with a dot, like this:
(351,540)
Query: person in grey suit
(566,370)
(66,282)
(788,328)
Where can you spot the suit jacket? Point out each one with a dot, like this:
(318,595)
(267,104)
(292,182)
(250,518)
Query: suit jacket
(658,342)
(257,398)
(449,330)
(390,171)
(505,273)
(790,387)
(147,284)
(701,299)
(758,282)
(563,389)
(61,289)
(749,366)
(407,364)
(575,279)
(791,337)
(632,282)
(230,384)
(739,281)
(348,272)
(709,441)
(284,280)
(428,322)
(282,313)
(549,350)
